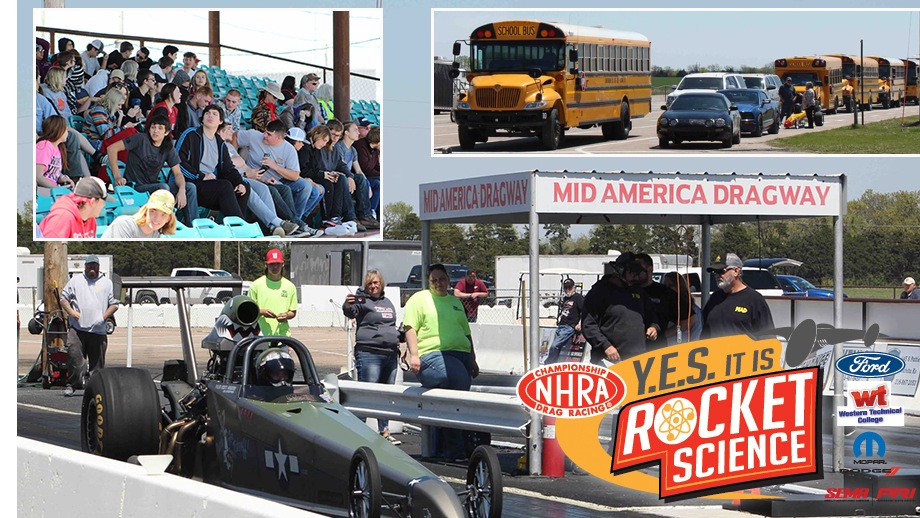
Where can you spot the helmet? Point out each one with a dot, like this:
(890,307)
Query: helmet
(626,262)
(275,367)
(35,327)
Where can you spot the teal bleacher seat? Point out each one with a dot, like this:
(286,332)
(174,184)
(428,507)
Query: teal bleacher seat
(76,122)
(100,229)
(376,106)
(242,229)
(129,197)
(57,192)
(183,232)
(208,229)
(43,204)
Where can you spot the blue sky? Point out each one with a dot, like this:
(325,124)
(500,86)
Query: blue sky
(682,38)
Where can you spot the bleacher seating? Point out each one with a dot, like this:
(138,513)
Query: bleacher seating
(242,229)
(128,197)
(208,229)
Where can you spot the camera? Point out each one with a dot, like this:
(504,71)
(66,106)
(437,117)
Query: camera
(264,167)
(360,298)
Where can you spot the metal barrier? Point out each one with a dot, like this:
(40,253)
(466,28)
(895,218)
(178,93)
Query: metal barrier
(477,411)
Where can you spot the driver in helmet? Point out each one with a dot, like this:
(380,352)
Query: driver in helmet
(275,367)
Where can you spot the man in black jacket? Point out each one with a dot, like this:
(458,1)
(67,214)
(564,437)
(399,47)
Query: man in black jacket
(205,161)
(618,317)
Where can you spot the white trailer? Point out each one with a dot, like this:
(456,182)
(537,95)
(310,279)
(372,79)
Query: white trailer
(30,269)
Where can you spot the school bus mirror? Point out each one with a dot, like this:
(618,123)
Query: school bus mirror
(453,73)
(455,65)
(663,107)
(573,56)
(534,73)
(456,48)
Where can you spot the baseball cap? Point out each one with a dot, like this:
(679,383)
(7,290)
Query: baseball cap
(92,187)
(909,280)
(312,77)
(162,200)
(91,259)
(568,283)
(363,122)
(117,73)
(297,134)
(274,256)
(97,43)
(731,261)
(181,77)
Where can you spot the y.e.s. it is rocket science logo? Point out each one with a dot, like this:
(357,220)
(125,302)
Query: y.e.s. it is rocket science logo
(717,415)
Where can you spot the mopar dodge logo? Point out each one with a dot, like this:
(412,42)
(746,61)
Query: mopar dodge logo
(870,365)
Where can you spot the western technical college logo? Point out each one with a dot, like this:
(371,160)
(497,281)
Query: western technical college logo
(868,405)
(730,434)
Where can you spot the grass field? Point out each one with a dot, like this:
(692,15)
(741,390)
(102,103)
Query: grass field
(873,293)
(886,137)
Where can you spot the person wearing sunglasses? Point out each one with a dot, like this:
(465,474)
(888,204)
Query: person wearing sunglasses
(734,308)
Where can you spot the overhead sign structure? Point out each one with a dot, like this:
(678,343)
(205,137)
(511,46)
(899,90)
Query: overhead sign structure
(617,197)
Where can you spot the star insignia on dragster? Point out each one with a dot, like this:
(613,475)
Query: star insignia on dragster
(280,461)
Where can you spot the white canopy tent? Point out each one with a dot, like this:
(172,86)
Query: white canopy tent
(705,199)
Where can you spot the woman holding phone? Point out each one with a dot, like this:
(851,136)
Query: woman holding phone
(376,336)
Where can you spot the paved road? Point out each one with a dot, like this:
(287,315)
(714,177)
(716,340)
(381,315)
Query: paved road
(642,139)
(47,416)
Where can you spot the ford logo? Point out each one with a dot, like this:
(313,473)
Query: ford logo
(870,365)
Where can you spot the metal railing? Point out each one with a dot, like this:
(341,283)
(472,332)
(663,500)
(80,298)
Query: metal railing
(477,411)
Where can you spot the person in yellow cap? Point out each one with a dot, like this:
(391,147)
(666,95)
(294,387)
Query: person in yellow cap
(154,219)
(275,295)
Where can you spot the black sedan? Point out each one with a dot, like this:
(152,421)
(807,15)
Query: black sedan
(700,115)
(758,112)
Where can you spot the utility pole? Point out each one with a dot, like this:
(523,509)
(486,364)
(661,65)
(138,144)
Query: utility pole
(217,255)
(341,56)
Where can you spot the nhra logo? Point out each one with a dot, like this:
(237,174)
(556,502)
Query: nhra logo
(870,365)
(732,434)
(570,389)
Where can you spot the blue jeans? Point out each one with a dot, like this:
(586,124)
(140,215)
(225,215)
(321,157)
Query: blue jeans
(377,368)
(191,199)
(374,184)
(300,188)
(284,202)
(446,369)
(316,196)
(361,194)
(563,337)
(261,204)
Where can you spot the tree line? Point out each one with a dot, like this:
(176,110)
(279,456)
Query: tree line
(881,243)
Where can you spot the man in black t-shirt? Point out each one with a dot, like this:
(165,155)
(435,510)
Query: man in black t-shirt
(569,320)
(734,308)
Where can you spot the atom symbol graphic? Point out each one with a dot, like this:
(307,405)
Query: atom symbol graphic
(675,420)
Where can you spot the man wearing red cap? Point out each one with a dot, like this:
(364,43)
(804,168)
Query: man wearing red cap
(275,295)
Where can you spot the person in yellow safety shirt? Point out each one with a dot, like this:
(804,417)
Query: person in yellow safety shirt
(275,295)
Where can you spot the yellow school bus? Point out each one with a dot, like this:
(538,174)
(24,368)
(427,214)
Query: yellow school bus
(910,81)
(855,67)
(891,87)
(535,78)
(824,72)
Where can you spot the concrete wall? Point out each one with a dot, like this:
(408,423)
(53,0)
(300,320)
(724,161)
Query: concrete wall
(55,481)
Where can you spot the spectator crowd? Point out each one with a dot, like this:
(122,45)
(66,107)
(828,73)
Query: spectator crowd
(127,119)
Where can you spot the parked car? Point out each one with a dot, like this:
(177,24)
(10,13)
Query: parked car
(700,116)
(758,111)
(769,83)
(795,286)
(705,81)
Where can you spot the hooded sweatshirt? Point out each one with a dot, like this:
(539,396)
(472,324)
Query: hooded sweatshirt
(64,221)
(376,330)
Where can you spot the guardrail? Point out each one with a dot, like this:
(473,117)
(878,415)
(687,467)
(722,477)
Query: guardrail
(49,480)
(476,411)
